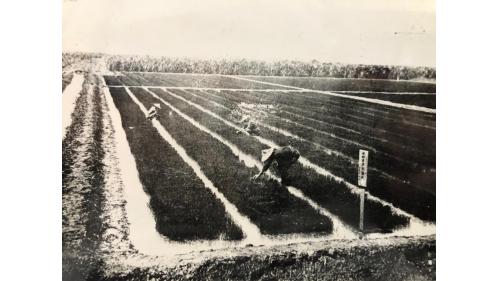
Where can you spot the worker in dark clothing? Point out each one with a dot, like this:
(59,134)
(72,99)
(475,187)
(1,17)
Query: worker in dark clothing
(153,112)
(284,156)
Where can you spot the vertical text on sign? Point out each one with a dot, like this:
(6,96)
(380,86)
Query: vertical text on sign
(363,168)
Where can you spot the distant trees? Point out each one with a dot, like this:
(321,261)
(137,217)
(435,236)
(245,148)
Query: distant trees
(73,57)
(254,67)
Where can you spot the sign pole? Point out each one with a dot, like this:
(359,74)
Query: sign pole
(362,180)
(362,210)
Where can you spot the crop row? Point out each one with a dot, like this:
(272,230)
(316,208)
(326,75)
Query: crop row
(119,80)
(370,109)
(268,205)
(184,80)
(424,100)
(409,197)
(411,123)
(421,146)
(334,196)
(183,208)
(400,127)
(386,156)
(412,147)
(382,138)
(346,84)
(215,81)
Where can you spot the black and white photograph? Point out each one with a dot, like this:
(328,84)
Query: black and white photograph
(248,140)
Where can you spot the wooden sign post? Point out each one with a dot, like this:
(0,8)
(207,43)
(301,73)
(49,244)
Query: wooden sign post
(362,179)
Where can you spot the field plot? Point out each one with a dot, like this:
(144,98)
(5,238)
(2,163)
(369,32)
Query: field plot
(269,206)
(335,197)
(421,94)
(183,80)
(184,209)
(418,99)
(345,84)
(340,158)
(201,113)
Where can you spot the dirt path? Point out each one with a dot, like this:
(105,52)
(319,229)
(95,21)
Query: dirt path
(82,183)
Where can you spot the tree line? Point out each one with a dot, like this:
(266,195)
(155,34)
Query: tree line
(69,58)
(254,67)
(278,68)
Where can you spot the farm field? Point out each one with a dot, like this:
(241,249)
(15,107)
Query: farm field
(328,131)
(333,196)
(339,158)
(150,197)
(269,206)
(191,154)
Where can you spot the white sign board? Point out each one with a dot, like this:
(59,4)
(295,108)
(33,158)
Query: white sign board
(363,168)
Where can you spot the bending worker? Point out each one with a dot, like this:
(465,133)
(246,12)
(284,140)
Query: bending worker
(153,111)
(284,156)
(249,126)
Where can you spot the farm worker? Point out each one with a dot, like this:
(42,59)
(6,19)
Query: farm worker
(153,111)
(250,127)
(284,156)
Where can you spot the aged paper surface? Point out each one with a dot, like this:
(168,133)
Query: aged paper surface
(237,140)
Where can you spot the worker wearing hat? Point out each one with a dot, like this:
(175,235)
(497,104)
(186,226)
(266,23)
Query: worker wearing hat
(153,111)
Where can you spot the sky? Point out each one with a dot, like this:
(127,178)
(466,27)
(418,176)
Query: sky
(388,32)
